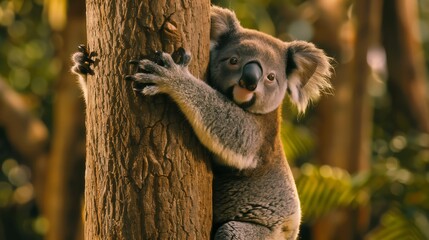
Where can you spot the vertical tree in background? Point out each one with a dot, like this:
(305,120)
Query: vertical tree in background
(65,173)
(345,122)
(405,60)
(146,173)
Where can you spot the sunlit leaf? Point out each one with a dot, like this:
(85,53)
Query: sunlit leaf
(296,141)
(323,189)
(395,225)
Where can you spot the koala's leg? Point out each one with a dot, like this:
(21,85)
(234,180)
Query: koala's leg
(235,230)
(290,229)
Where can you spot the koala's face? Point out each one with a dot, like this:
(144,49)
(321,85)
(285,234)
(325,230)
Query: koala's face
(250,69)
(255,70)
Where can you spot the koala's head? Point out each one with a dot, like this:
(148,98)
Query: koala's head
(255,70)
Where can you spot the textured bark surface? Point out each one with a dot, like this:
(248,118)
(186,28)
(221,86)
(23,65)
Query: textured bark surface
(146,173)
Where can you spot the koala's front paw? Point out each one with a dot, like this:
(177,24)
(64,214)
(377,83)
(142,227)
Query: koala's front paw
(157,76)
(83,61)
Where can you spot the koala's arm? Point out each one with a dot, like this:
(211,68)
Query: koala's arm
(225,129)
(82,61)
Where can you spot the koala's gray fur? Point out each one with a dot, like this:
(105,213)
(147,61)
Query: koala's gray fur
(237,117)
(82,66)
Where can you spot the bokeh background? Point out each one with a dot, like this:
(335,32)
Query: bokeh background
(360,156)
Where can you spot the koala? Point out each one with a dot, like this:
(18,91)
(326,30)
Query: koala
(236,115)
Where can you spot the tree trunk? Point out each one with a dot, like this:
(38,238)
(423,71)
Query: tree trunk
(333,123)
(65,175)
(147,176)
(345,122)
(405,60)
(367,36)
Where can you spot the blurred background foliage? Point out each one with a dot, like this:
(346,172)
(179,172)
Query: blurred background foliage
(27,51)
(364,179)
(28,65)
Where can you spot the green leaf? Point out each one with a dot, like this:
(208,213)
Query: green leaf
(394,225)
(323,189)
(296,141)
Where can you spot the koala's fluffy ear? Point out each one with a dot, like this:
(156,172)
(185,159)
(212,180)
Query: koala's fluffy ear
(223,21)
(308,71)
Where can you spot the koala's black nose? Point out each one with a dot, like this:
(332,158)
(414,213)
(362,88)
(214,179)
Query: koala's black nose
(252,72)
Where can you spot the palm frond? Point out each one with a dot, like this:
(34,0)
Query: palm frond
(296,141)
(323,189)
(396,225)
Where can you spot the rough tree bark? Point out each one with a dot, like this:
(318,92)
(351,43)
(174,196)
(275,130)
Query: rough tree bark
(147,176)
(65,174)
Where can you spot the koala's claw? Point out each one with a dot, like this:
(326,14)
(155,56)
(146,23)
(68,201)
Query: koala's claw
(181,57)
(140,83)
(134,62)
(129,78)
(83,60)
(161,59)
(82,48)
(157,75)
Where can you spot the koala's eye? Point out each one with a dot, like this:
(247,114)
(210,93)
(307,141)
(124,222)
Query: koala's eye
(271,76)
(233,61)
